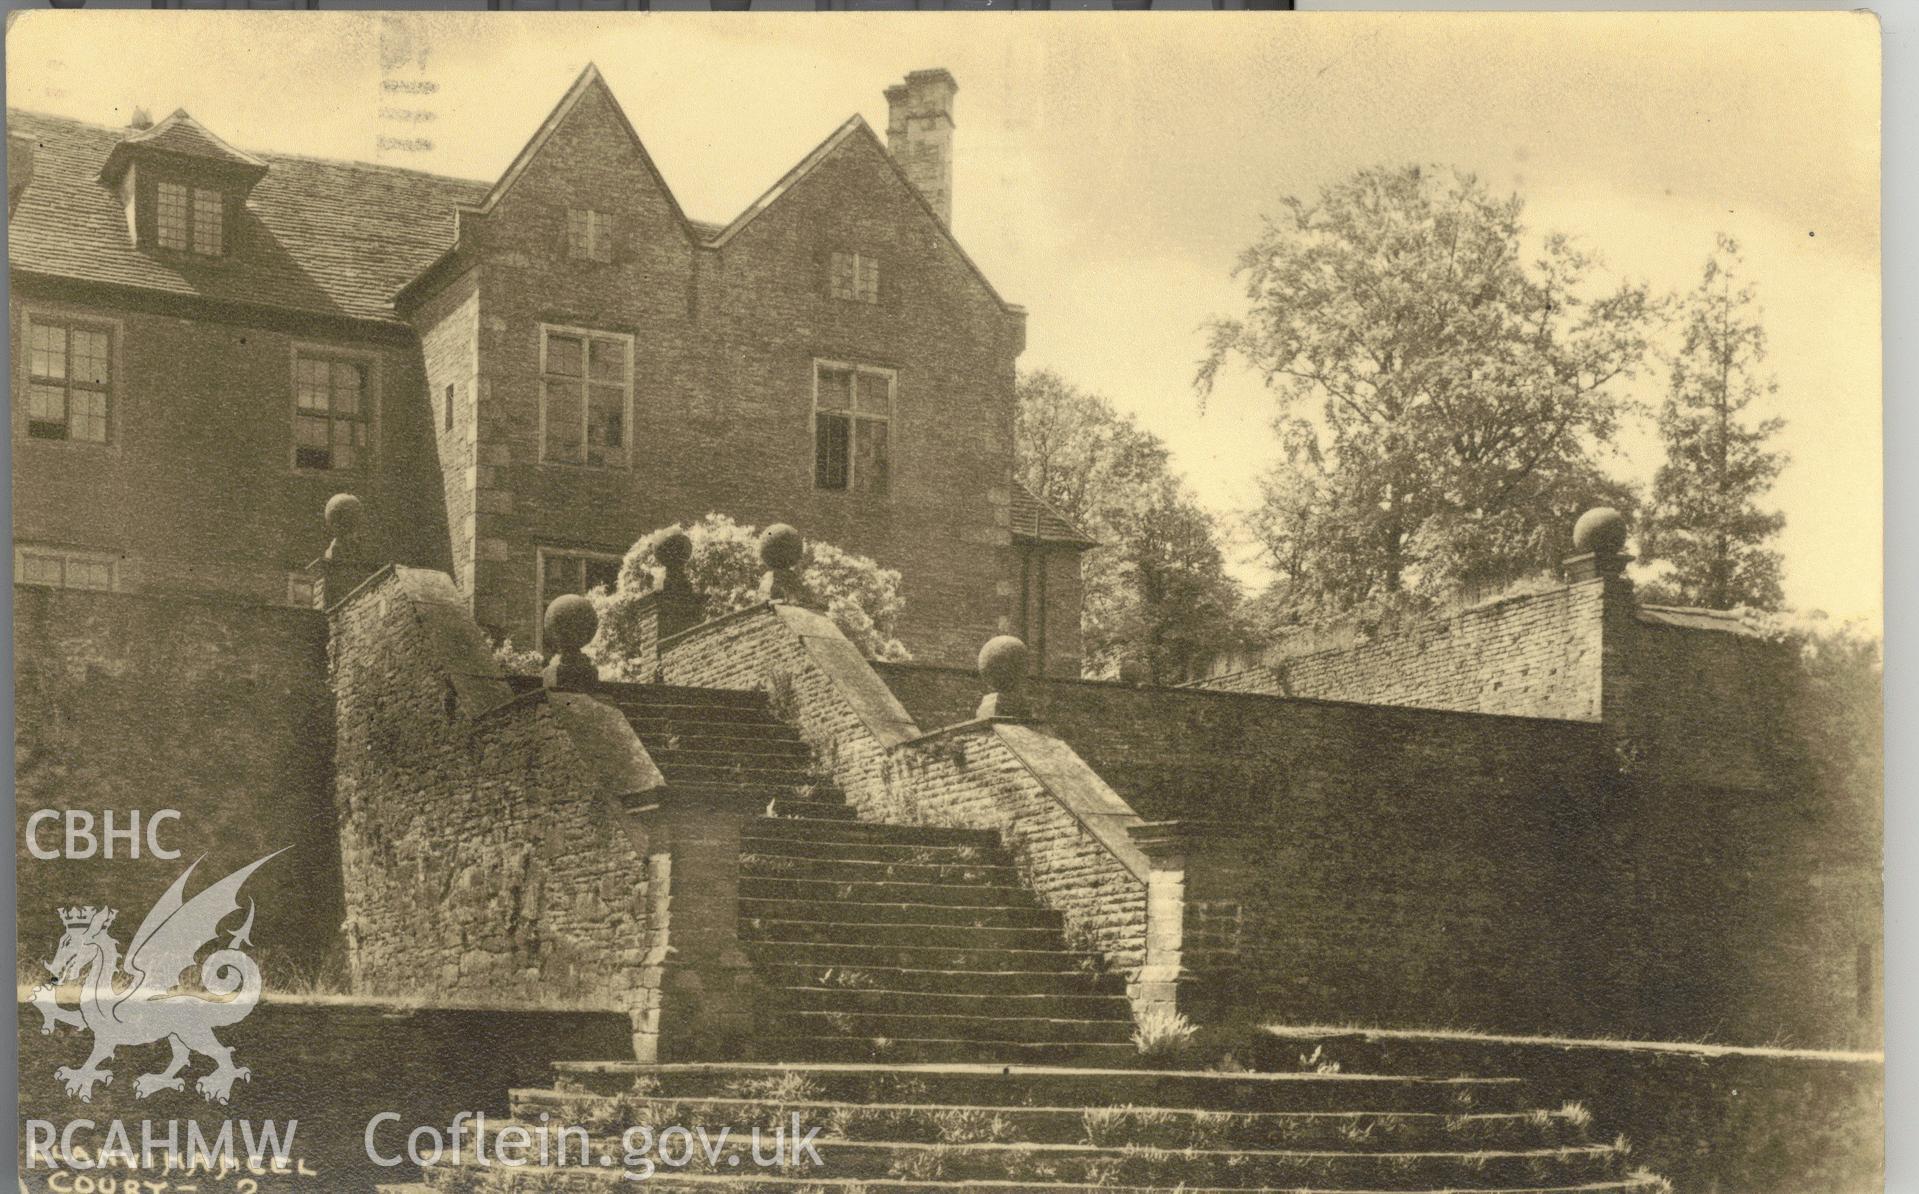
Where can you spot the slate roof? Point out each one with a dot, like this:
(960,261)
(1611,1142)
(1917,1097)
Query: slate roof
(335,237)
(183,135)
(339,238)
(1036,521)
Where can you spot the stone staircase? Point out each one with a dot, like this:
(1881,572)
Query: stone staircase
(930,1020)
(987,1128)
(877,942)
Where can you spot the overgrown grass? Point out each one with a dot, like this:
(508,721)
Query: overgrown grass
(1164,1035)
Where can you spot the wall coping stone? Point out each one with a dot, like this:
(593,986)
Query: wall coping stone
(158,596)
(852,674)
(1071,782)
(735,616)
(612,752)
(960,727)
(372,578)
(1077,788)
(1037,686)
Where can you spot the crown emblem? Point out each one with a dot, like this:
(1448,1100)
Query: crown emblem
(79,917)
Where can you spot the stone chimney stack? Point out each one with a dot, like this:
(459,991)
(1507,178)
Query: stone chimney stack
(919,132)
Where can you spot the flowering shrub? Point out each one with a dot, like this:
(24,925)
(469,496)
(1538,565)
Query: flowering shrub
(862,598)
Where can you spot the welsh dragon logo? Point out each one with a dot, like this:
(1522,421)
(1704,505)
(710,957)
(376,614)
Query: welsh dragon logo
(140,1000)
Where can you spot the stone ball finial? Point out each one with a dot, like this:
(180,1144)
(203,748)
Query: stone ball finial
(571,623)
(675,548)
(781,547)
(344,514)
(1002,662)
(1601,531)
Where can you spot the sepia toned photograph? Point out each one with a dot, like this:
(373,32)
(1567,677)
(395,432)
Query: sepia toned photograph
(924,602)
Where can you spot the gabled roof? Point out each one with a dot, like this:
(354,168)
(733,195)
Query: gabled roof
(1035,520)
(182,135)
(589,81)
(801,169)
(319,236)
(333,237)
(855,127)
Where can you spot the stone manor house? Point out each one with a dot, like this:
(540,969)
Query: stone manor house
(1564,812)
(522,377)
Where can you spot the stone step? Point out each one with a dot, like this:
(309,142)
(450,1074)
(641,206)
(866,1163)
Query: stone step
(1008,1085)
(1149,1127)
(739,770)
(813,810)
(773,887)
(913,957)
(860,870)
(793,975)
(994,855)
(888,1051)
(759,752)
(849,995)
(1095,1166)
(699,714)
(725,738)
(470,1178)
(624,694)
(870,832)
(684,726)
(939,936)
(899,1026)
(763,795)
(848,912)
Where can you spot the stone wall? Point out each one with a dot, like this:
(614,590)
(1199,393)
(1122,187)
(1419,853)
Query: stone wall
(332,1064)
(197,490)
(1419,867)
(1707,707)
(987,776)
(214,707)
(724,340)
(1536,655)
(483,850)
(449,329)
(1049,622)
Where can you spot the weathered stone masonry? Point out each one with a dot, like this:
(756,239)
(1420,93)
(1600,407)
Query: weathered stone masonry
(439,288)
(213,707)
(985,775)
(482,854)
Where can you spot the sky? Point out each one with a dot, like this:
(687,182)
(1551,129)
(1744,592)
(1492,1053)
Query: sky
(1109,168)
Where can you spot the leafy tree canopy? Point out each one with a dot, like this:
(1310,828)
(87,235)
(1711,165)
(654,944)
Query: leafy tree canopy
(861,597)
(1442,392)
(1156,591)
(1705,520)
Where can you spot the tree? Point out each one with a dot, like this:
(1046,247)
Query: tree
(862,598)
(1705,519)
(1157,591)
(1441,399)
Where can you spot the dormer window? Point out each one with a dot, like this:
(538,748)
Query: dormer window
(178,183)
(190,219)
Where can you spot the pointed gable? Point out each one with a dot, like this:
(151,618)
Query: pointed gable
(588,114)
(856,137)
